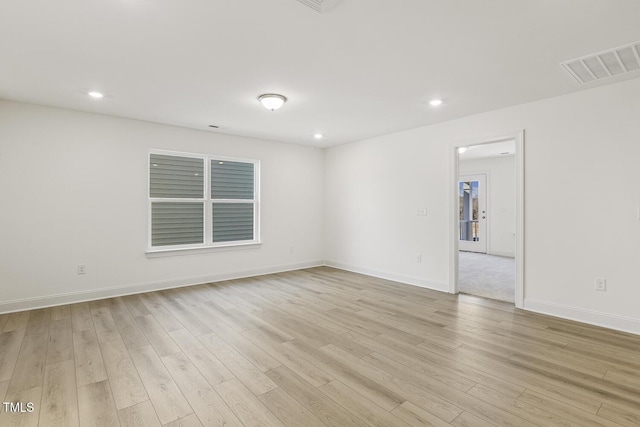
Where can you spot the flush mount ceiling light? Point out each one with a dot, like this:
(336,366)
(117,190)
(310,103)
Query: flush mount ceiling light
(96,95)
(317,136)
(435,102)
(462,150)
(272,101)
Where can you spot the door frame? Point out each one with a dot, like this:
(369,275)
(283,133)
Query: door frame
(483,179)
(518,136)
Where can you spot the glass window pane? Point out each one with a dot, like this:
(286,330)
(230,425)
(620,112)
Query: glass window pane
(475,200)
(469,210)
(176,177)
(232,222)
(232,180)
(177,223)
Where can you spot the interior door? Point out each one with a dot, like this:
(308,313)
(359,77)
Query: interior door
(473,213)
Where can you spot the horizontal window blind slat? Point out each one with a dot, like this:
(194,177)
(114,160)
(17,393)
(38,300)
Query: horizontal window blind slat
(177,195)
(180,163)
(228,176)
(170,227)
(176,177)
(232,222)
(168,209)
(159,180)
(177,223)
(178,238)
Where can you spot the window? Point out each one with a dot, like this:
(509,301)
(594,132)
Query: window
(199,201)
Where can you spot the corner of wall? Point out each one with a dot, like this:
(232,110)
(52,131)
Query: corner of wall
(407,280)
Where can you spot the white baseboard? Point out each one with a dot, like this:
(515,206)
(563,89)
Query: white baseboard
(414,281)
(137,288)
(620,323)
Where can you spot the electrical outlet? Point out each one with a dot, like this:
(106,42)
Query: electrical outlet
(601,284)
(422,212)
(290,249)
(419,259)
(82,269)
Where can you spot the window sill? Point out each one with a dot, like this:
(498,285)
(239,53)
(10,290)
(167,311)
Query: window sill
(161,253)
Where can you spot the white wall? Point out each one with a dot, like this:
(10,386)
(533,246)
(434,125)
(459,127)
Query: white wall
(73,189)
(581,198)
(501,200)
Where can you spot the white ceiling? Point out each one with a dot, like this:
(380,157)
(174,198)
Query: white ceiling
(365,68)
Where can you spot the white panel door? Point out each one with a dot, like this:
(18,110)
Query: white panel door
(473,213)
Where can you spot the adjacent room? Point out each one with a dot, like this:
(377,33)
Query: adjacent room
(487,206)
(319,213)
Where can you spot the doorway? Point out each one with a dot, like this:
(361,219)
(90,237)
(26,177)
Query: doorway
(487,234)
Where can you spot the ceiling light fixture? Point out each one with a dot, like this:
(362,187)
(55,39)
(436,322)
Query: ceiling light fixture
(317,136)
(462,149)
(96,95)
(272,101)
(435,102)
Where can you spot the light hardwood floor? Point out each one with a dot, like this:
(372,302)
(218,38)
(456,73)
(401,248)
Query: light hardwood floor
(312,348)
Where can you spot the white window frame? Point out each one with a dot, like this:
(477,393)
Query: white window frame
(207,201)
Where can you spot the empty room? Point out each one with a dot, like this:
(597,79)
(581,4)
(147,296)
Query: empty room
(319,213)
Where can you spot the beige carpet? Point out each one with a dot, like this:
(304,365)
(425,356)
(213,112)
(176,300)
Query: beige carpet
(488,276)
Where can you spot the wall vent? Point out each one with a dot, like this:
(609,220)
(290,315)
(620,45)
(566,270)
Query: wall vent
(320,5)
(608,63)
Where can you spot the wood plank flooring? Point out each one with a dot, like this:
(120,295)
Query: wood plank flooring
(315,347)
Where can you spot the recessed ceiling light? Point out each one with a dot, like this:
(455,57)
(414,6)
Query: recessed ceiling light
(317,136)
(435,102)
(272,101)
(96,95)
(462,149)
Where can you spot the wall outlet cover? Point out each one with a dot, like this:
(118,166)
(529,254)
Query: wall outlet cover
(601,284)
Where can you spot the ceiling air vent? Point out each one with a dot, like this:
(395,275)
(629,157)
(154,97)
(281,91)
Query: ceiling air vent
(608,63)
(320,5)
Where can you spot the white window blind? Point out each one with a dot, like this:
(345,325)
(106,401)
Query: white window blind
(201,201)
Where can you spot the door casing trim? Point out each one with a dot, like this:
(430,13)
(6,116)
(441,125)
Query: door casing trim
(518,137)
